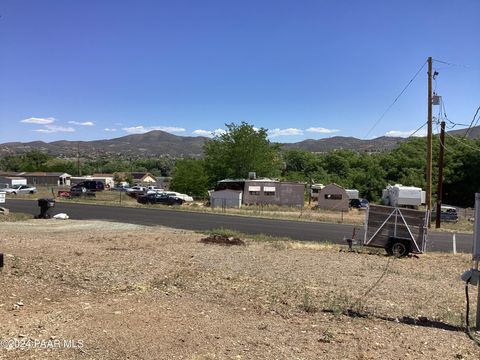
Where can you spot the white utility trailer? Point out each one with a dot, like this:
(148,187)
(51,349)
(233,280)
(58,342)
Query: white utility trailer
(399,231)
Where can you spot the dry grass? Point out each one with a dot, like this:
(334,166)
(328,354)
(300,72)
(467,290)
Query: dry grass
(14,217)
(138,292)
(463,225)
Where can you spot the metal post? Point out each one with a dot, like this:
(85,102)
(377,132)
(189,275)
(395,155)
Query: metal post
(476,252)
(440,176)
(477,323)
(454,241)
(476,233)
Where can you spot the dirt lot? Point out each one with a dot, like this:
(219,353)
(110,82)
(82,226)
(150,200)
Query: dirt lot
(117,291)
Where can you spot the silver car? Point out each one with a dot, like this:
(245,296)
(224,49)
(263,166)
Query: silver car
(21,189)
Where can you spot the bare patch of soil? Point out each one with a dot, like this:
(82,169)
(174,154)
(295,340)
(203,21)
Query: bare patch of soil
(222,240)
(132,292)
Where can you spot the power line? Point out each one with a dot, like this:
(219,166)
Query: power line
(451,64)
(473,120)
(462,143)
(444,116)
(420,128)
(394,101)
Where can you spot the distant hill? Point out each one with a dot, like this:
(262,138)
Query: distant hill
(153,143)
(160,143)
(342,142)
(474,132)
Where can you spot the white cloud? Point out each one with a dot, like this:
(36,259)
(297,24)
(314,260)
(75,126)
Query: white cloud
(398,133)
(219,132)
(110,129)
(142,129)
(321,130)
(202,132)
(49,129)
(41,121)
(85,123)
(209,133)
(285,132)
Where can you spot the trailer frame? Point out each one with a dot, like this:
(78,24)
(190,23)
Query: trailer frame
(398,230)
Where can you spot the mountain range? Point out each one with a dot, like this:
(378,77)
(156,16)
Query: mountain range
(160,143)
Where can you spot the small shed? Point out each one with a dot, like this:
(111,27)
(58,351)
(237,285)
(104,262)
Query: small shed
(226,199)
(47,178)
(266,191)
(333,197)
(9,181)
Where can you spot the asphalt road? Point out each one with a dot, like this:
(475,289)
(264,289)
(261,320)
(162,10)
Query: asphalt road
(298,230)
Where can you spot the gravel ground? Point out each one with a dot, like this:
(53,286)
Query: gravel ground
(100,290)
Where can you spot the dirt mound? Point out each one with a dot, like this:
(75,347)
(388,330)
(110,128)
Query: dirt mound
(222,240)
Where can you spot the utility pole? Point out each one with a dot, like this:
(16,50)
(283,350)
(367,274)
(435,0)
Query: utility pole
(429,139)
(440,176)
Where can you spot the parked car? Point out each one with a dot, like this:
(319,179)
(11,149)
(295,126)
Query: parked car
(355,203)
(153,189)
(359,203)
(92,185)
(159,198)
(136,191)
(447,214)
(20,189)
(179,196)
(76,191)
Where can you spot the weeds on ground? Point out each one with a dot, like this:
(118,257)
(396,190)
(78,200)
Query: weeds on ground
(307,304)
(14,217)
(237,234)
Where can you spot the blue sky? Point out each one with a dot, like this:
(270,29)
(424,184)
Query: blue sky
(82,70)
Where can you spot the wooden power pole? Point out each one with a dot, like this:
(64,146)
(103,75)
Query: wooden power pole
(429,139)
(440,176)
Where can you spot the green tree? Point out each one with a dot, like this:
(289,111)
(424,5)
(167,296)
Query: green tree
(190,177)
(239,150)
(33,160)
(60,165)
(461,174)
(407,163)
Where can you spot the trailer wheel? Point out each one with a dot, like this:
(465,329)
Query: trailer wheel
(398,248)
